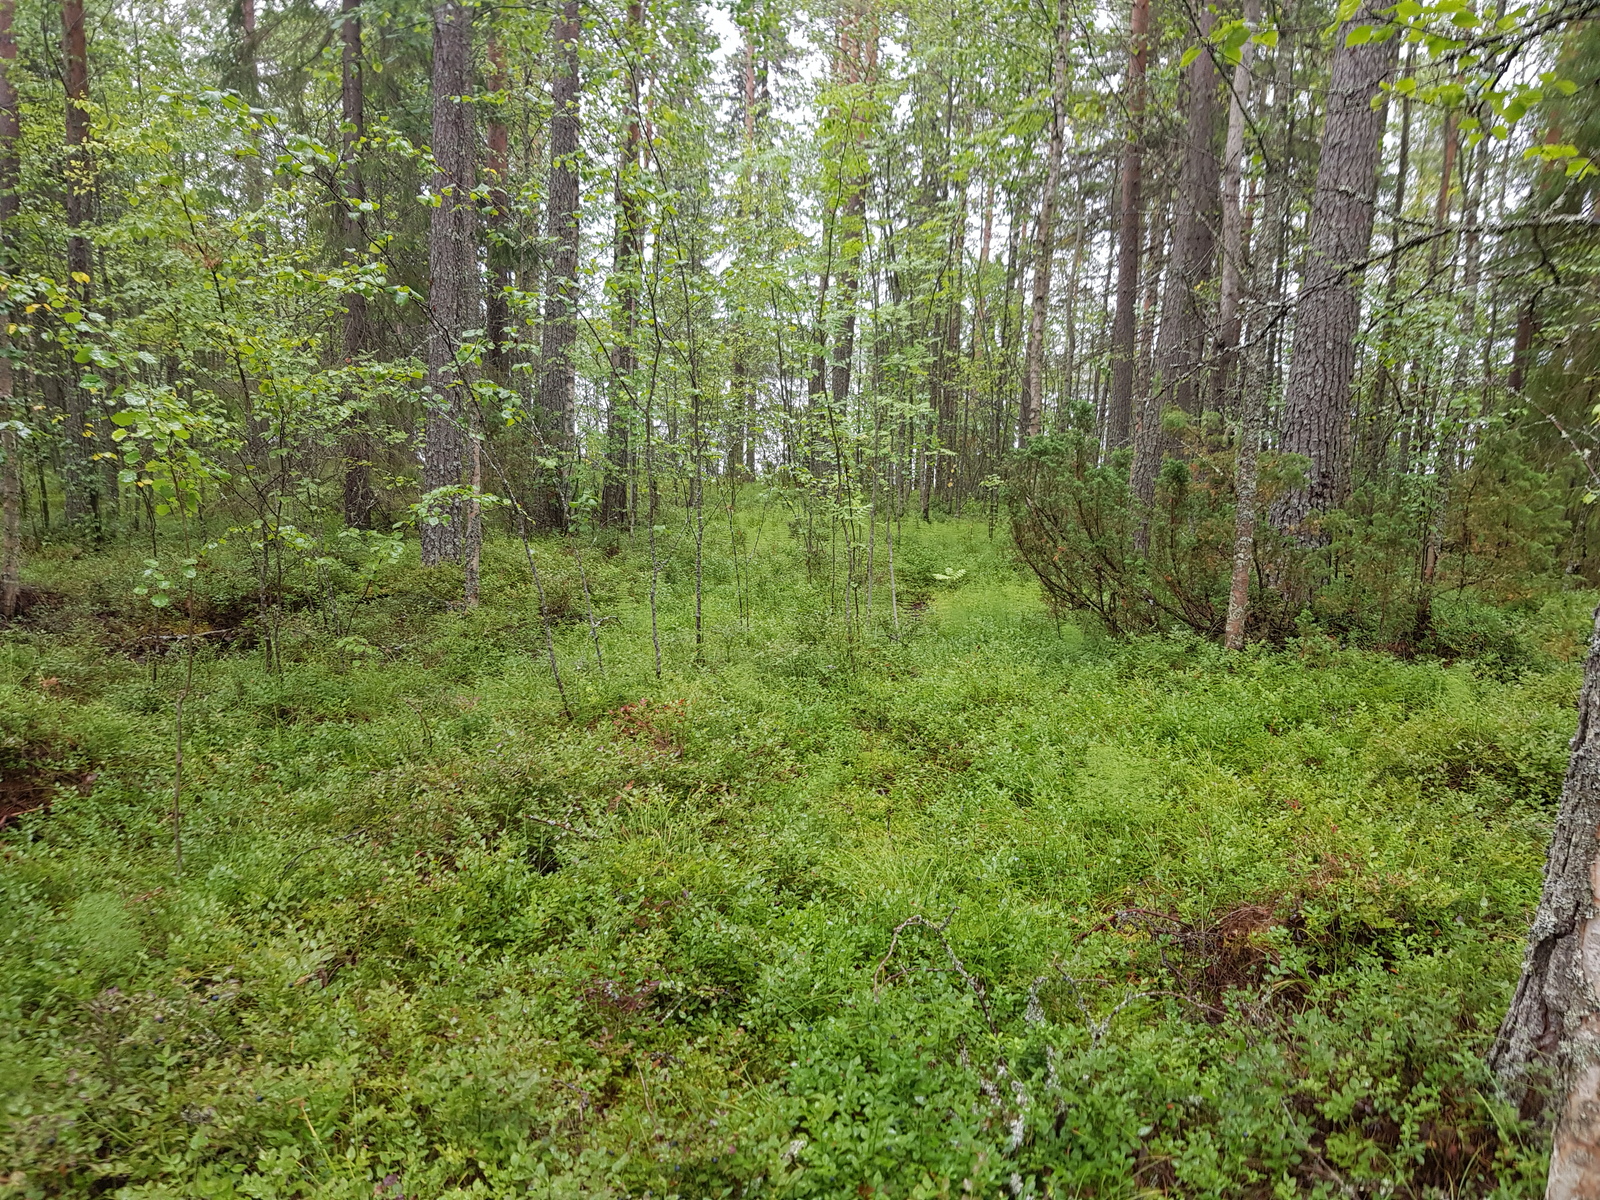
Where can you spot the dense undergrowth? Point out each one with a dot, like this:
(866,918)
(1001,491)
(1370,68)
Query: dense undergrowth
(989,908)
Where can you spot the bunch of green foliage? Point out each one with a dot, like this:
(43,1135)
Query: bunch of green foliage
(991,907)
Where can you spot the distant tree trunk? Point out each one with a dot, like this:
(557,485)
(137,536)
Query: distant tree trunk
(1316,416)
(557,375)
(359,498)
(79,476)
(1124,329)
(497,166)
(1181,341)
(10,443)
(452,274)
(1030,416)
(1553,1024)
(1245,476)
(1388,383)
(1522,345)
(1233,266)
(627,247)
(857,64)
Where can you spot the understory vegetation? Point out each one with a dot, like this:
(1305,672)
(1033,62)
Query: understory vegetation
(959,900)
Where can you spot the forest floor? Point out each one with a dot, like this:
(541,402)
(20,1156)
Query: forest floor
(988,906)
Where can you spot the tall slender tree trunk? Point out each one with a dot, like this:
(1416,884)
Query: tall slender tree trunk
(1124,328)
(1553,1024)
(1030,417)
(557,375)
(498,231)
(1316,416)
(1233,265)
(80,478)
(1254,362)
(10,443)
(1388,378)
(1181,342)
(857,65)
(627,247)
(359,498)
(452,275)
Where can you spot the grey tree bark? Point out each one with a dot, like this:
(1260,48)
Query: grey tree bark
(1124,328)
(453,304)
(1181,341)
(1316,416)
(1229,318)
(1030,414)
(1547,1053)
(556,374)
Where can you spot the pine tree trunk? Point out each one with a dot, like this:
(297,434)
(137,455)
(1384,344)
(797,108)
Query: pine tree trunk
(1553,1025)
(557,375)
(1181,341)
(359,498)
(1030,416)
(1316,417)
(1124,329)
(452,275)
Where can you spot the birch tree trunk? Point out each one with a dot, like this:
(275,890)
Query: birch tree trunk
(1554,1021)
(1124,329)
(452,273)
(1316,418)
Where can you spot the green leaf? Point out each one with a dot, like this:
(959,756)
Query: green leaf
(1189,55)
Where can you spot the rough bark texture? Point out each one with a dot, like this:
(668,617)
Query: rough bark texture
(10,443)
(452,273)
(1124,329)
(1316,416)
(1181,341)
(359,498)
(1030,413)
(80,479)
(556,378)
(1553,1024)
